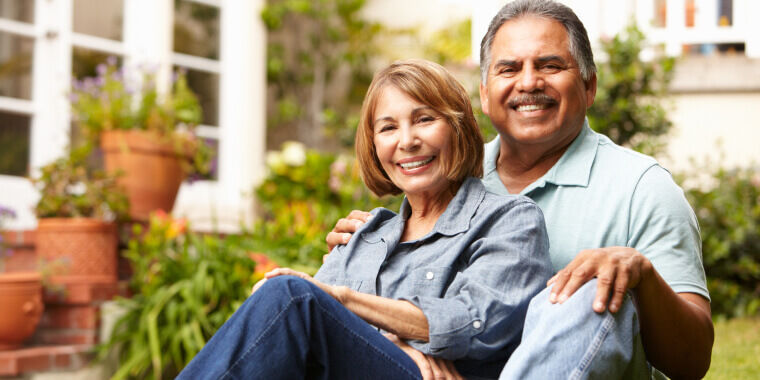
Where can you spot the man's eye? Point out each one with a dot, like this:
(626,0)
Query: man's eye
(551,68)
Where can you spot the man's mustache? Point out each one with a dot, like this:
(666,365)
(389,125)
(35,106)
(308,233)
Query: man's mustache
(532,98)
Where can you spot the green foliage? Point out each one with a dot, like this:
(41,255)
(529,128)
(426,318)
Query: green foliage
(630,92)
(185,287)
(68,190)
(109,102)
(729,218)
(302,198)
(451,45)
(318,67)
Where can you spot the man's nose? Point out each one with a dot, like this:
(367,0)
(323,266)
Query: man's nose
(530,80)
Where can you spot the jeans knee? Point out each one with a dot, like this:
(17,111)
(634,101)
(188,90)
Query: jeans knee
(287,287)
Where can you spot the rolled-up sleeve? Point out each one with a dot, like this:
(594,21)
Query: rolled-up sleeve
(483,309)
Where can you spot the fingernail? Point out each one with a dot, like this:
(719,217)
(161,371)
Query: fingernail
(553,298)
(370,217)
(563,298)
(598,306)
(613,307)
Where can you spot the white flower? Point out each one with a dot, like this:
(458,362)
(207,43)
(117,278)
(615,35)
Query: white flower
(274,159)
(76,189)
(293,153)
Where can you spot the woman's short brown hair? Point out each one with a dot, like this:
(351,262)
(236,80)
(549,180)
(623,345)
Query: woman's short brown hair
(428,83)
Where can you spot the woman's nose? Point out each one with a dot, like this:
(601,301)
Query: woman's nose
(409,139)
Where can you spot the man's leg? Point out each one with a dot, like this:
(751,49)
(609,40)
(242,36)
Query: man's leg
(291,329)
(571,341)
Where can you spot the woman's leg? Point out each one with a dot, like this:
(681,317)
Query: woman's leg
(291,329)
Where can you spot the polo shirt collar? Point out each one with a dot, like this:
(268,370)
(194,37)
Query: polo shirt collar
(454,220)
(572,169)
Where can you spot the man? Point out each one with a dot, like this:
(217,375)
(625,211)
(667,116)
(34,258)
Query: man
(612,215)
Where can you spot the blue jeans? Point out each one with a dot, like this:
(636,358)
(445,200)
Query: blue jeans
(571,341)
(291,329)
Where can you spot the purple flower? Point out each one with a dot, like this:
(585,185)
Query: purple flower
(102,69)
(111,60)
(7,212)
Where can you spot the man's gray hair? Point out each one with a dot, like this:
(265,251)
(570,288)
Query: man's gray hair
(580,47)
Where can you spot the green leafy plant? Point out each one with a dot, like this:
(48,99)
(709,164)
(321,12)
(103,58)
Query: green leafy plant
(729,217)
(110,101)
(302,198)
(318,67)
(630,92)
(185,287)
(68,189)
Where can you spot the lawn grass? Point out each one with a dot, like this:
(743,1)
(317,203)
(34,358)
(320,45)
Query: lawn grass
(736,353)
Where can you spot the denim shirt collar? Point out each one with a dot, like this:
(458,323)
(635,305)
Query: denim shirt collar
(572,169)
(454,220)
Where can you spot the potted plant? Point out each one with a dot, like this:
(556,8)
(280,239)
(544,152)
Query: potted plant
(21,295)
(147,135)
(77,215)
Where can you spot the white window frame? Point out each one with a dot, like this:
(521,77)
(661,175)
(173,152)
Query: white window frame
(221,205)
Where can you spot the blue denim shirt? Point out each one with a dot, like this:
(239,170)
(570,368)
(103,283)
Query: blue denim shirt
(472,275)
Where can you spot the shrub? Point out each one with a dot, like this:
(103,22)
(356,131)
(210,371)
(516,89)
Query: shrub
(185,287)
(729,218)
(302,198)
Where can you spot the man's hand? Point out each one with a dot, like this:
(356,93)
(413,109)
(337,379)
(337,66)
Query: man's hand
(430,367)
(617,269)
(345,227)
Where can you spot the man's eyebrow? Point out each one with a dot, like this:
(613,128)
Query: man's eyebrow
(550,58)
(504,62)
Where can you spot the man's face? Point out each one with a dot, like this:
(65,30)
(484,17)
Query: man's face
(535,95)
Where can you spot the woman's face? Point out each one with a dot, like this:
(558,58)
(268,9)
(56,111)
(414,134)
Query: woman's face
(412,141)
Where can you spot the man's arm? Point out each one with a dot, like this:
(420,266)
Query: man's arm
(676,328)
(668,284)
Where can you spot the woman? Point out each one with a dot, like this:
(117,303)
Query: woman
(451,274)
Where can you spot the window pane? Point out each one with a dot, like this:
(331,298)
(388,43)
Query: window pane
(16,66)
(99,18)
(726,13)
(196,29)
(14,144)
(206,86)
(213,173)
(19,10)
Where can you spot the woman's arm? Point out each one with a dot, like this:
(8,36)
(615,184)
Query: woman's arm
(398,317)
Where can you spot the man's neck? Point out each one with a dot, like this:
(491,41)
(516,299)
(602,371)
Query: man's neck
(519,166)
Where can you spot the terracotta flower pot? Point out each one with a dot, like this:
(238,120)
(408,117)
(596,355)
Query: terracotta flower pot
(21,300)
(152,170)
(78,250)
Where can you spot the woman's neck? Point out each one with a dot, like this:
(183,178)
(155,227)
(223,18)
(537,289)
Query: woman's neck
(425,211)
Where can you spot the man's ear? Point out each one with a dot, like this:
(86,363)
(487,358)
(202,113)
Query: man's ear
(483,98)
(590,90)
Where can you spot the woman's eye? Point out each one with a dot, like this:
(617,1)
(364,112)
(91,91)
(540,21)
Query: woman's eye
(425,119)
(388,127)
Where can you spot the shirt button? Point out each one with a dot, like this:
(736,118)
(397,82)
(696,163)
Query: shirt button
(429,275)
(477,324)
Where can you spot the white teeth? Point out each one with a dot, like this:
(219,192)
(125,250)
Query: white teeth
(416,164)
(531,107)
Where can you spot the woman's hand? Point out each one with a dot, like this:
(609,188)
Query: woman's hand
(336,292)
(430,367)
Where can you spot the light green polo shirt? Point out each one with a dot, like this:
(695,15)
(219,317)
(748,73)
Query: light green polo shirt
(600,194)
